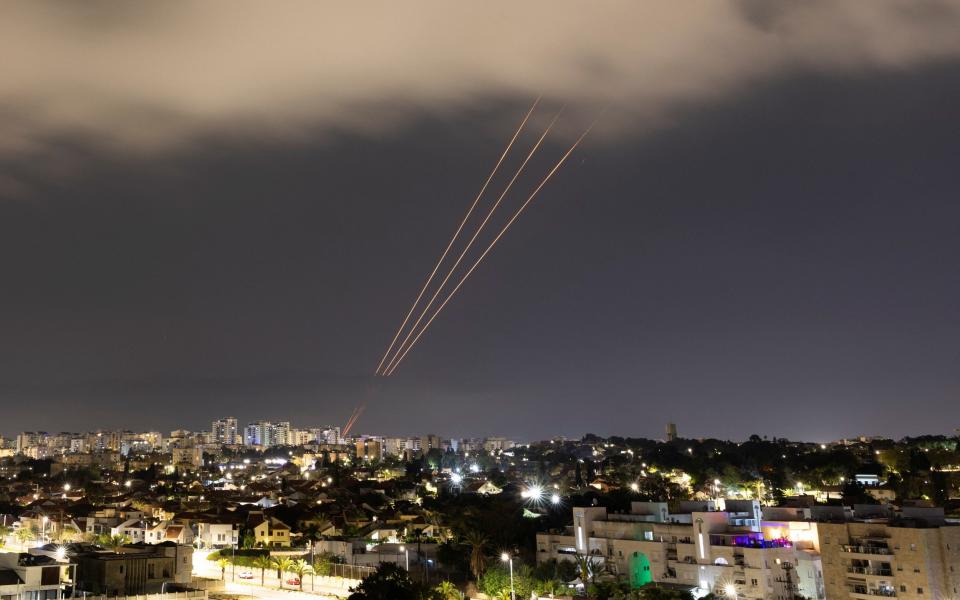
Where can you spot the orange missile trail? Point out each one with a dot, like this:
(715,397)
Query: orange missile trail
(357,411)
(456,233)
(516,215)
(476,234)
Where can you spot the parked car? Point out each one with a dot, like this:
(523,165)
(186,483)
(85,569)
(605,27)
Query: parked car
(245,575)
(293,581)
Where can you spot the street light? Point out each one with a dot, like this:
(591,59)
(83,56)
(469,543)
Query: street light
(406,557)
(509,559)
(43,529)
(730,590)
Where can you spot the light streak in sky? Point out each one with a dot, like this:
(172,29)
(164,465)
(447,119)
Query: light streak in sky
(456,233)
(476,234)
(397,360)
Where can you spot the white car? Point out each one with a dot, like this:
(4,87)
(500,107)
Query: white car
(245,575)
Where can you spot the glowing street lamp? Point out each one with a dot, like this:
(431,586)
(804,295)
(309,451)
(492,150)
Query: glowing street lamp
(534,493)
(509,559)
(406,556)
(555,499)
(730,590)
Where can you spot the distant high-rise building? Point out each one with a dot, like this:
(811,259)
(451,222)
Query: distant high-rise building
(268,433)
(281,434)
(258,433)
(671,431)
(224,431)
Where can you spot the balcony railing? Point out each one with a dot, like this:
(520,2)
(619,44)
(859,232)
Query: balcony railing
(881,593)
(870,571)
(868,550)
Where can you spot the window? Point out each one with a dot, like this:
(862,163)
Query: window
(913,548)
(916,569)
(903,588)
(919,590)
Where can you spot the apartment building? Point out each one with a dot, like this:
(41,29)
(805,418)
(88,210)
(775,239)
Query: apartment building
(728,552)
(224,431)
(912,554)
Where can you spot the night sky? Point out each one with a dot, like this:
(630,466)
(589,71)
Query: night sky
(773,252)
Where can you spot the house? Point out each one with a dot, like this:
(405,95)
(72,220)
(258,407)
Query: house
(268,532)
(135,569)
(28,577)
(134,529)
(169,531)
(212,533)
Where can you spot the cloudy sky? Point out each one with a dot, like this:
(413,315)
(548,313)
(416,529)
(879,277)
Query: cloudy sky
(212,208)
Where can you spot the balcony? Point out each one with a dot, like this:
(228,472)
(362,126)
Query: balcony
(875,550)
(880,572)
(868,594)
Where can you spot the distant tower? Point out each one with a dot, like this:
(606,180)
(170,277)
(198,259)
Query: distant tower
(671,431)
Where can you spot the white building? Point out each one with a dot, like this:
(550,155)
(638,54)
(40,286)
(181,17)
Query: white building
(726,552)
(224,431)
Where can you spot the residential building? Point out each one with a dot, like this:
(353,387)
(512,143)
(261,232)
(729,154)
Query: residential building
(29,577)
(133,569)
(214,534)
(224,431)
(268,532)
(911,554)
(726,552)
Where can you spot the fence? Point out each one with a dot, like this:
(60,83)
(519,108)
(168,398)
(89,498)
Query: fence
(192,595)
(350,571)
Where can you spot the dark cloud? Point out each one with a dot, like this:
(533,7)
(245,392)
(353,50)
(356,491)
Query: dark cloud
(147,76)
(213,212)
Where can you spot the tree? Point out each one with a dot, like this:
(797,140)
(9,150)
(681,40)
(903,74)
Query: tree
(447,591)
(322,565)
(478,558)
(589,567)
(248,541)
(222,563)
(24,535)
(113,542)
(300,568)
(263,563)
(388,582)
(282,564)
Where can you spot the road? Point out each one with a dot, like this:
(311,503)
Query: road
(313,586)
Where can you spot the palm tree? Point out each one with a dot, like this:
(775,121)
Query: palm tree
(24,535)
(263,563)
(300,568)
(222,563)
(478,558)
(447,591)
(282,564)
(589,566)
(115,542)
